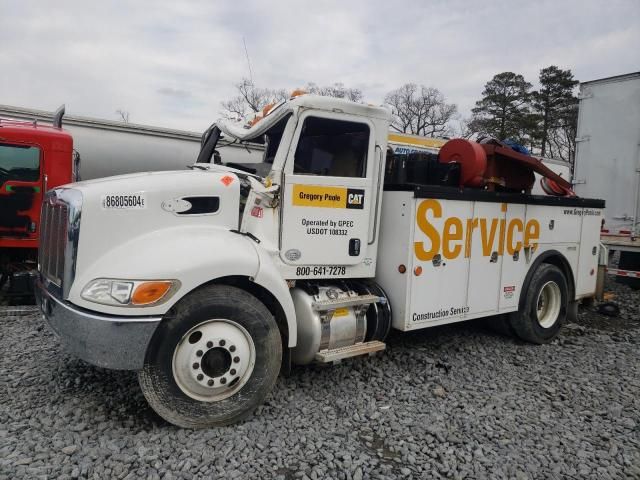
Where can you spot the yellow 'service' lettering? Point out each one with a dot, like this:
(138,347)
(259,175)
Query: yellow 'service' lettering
(532,234)
(452,232)
(428,229)
(456,236)
(471,224)
(487,239)
(516,223)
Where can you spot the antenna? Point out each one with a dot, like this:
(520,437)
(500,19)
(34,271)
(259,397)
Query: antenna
(246,52)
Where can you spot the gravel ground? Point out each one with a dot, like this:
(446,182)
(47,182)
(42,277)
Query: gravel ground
(451,402)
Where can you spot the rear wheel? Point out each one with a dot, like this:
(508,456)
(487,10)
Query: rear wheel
(544,309)
(214,361)
(499,324)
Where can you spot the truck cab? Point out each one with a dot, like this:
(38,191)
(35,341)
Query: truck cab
(325,167)
(33,158)
(208,282)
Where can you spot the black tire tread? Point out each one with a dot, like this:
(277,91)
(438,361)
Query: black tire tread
(524,322)
(184,412)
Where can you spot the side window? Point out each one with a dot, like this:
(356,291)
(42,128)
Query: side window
(332,148)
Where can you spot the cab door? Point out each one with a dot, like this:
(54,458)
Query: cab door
(328,194)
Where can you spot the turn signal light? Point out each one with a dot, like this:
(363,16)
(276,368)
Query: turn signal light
(417,271)
(402,268)
(149,292)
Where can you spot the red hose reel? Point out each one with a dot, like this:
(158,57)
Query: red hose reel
(471,157)
(493,165)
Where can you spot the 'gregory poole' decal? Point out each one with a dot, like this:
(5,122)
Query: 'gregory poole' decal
(327,197)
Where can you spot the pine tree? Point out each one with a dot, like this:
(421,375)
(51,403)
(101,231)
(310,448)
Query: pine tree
(504,107)
(554,104)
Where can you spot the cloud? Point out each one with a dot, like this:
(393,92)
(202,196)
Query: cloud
(171,63)
(175,92)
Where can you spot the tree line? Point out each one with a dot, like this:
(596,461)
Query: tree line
(416,109)
(544,120)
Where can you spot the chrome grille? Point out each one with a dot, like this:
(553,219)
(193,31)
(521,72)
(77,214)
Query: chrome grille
(53,240)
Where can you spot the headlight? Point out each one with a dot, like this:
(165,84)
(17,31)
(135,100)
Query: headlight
(108,291)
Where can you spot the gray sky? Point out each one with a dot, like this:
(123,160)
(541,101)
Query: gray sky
(171,63)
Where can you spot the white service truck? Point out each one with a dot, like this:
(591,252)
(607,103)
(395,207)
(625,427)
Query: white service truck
(211,281)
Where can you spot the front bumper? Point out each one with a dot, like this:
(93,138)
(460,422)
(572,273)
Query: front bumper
(104,340)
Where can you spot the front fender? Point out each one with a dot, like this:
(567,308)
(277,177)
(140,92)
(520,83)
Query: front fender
(194,255)
(270,278)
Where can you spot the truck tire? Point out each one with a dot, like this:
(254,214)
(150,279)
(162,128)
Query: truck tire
(499,324)
(544,308)
(572,311)
(213,360)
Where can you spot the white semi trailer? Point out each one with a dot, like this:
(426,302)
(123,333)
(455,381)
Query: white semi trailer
(608,164)
(210,281)
(108,148)
(101,143)
(608,148)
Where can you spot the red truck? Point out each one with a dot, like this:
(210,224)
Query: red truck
(33,159)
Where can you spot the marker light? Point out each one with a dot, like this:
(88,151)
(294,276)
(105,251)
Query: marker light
(121,293)
(267,109)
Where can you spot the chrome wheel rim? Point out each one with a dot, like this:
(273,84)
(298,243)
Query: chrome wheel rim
(548,304)
(213,360)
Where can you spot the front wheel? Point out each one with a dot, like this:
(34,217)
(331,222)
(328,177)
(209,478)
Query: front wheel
(214,361)
(545,306)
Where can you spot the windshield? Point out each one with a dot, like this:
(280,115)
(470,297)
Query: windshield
(19,162)
(252,156)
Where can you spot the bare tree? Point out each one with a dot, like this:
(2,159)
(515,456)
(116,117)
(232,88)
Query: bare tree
(420,110)
(250,99)
(123,114)
(562,137)
(463,129)
(337,90)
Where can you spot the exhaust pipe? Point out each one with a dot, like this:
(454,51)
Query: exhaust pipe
(57,117)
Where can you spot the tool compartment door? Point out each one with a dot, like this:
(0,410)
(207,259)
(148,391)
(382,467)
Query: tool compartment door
(485,233)
(327,196)
(440,269)
(588,254)
(557,224)
(514,261)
